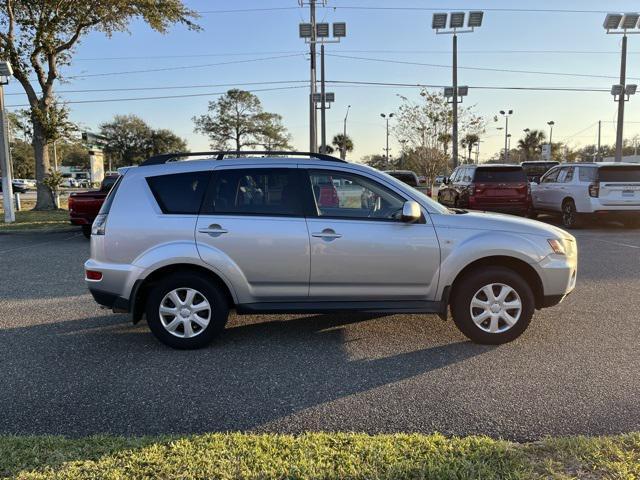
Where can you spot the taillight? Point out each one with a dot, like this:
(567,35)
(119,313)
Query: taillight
(93,275)
(594,190)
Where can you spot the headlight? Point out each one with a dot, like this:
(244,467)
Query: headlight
(99,224)
(557,246)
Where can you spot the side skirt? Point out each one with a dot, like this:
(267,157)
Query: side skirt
(390,307)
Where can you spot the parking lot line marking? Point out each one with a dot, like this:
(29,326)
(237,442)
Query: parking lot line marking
(617,243)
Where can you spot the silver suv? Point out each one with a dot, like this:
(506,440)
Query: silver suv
(183,242)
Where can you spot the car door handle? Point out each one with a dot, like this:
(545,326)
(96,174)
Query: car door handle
(327,233)
(213,229)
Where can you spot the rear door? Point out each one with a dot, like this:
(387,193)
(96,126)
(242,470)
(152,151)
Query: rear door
(252,222)
(619,185)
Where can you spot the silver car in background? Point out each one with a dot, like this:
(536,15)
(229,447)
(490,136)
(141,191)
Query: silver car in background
(183,242)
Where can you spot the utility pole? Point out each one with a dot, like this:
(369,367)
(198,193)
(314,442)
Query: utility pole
(313,138)
(5,153)
(621,100)
(599,131)
(323,117)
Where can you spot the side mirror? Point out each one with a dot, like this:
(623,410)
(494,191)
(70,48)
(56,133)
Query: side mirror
(411,211)
(445,181)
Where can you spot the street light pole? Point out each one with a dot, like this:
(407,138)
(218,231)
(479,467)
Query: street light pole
(621,100)
(323,107)
(454,130)
(387,117)
(313,139)
(5,153)
(343,147)
(506,114)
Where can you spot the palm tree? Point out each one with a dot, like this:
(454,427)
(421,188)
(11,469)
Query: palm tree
(445,138)
(468,141)
(531,142)
(342,143)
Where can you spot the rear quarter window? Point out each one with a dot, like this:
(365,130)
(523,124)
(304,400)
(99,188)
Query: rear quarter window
(622,173)
(500,175)
(587,174)
(179,193)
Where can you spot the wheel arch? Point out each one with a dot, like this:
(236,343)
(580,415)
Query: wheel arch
(143,287)
(518,266)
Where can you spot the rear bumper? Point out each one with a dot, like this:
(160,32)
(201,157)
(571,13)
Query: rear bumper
(618,213)
(111,300)
(510,209)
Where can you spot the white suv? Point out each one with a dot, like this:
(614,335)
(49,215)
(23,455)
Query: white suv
(581,190)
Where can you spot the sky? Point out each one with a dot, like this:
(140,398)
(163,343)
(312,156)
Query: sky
(256,41)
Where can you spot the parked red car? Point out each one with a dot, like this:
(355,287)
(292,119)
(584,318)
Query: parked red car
(491,187)
(84,206)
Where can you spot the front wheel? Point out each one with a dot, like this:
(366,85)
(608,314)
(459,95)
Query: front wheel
(492,306)
(186,311)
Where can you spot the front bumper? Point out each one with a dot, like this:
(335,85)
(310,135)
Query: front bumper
(559,274)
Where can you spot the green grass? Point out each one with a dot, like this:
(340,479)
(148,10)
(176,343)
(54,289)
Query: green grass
(36,220)
(318,456)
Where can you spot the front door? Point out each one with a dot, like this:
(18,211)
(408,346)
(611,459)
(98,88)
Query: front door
(252,223)
(360,248)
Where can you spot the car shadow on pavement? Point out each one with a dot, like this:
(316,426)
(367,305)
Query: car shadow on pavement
(102,375)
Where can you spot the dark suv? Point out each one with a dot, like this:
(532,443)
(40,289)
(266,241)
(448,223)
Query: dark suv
(496,188)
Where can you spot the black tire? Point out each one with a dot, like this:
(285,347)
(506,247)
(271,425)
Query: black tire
(532,214)
(219,311)
(467,288)
(570,217)
(86,231)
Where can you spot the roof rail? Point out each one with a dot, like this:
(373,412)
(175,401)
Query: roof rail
(172,157)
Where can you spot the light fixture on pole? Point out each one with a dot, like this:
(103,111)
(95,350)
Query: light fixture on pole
(551,124)
(456,25)
(387,117)
(5,154)
(314,33)
(621,24)
(506,114)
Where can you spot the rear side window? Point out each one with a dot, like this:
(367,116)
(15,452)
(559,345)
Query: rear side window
(179,193)
(587,174)
(622,173)
(500,175)
(406,178)
(106,206)
(260,191)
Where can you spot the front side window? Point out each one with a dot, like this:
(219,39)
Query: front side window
(551,176)
(565,175)
(179,193)
(259,191)
(344,195)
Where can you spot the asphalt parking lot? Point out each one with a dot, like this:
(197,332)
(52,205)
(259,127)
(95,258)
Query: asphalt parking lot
(69,367)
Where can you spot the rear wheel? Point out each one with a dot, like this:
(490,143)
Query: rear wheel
(492,306)
(86,231)
(570,217)
(186,311)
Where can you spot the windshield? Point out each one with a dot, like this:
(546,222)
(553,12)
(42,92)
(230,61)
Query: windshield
(432,205)
(500,175)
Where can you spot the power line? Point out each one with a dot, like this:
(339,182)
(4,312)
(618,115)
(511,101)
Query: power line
(166,69)
(196,55)
(408,9)
(480,87)
(487,69)
(164,97)
(169,87)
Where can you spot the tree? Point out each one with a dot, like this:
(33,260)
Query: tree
(531,143)
(468,141)
(343,143)
(39,36)
(425,126)
(237,119)
(131,140)
(378,161)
